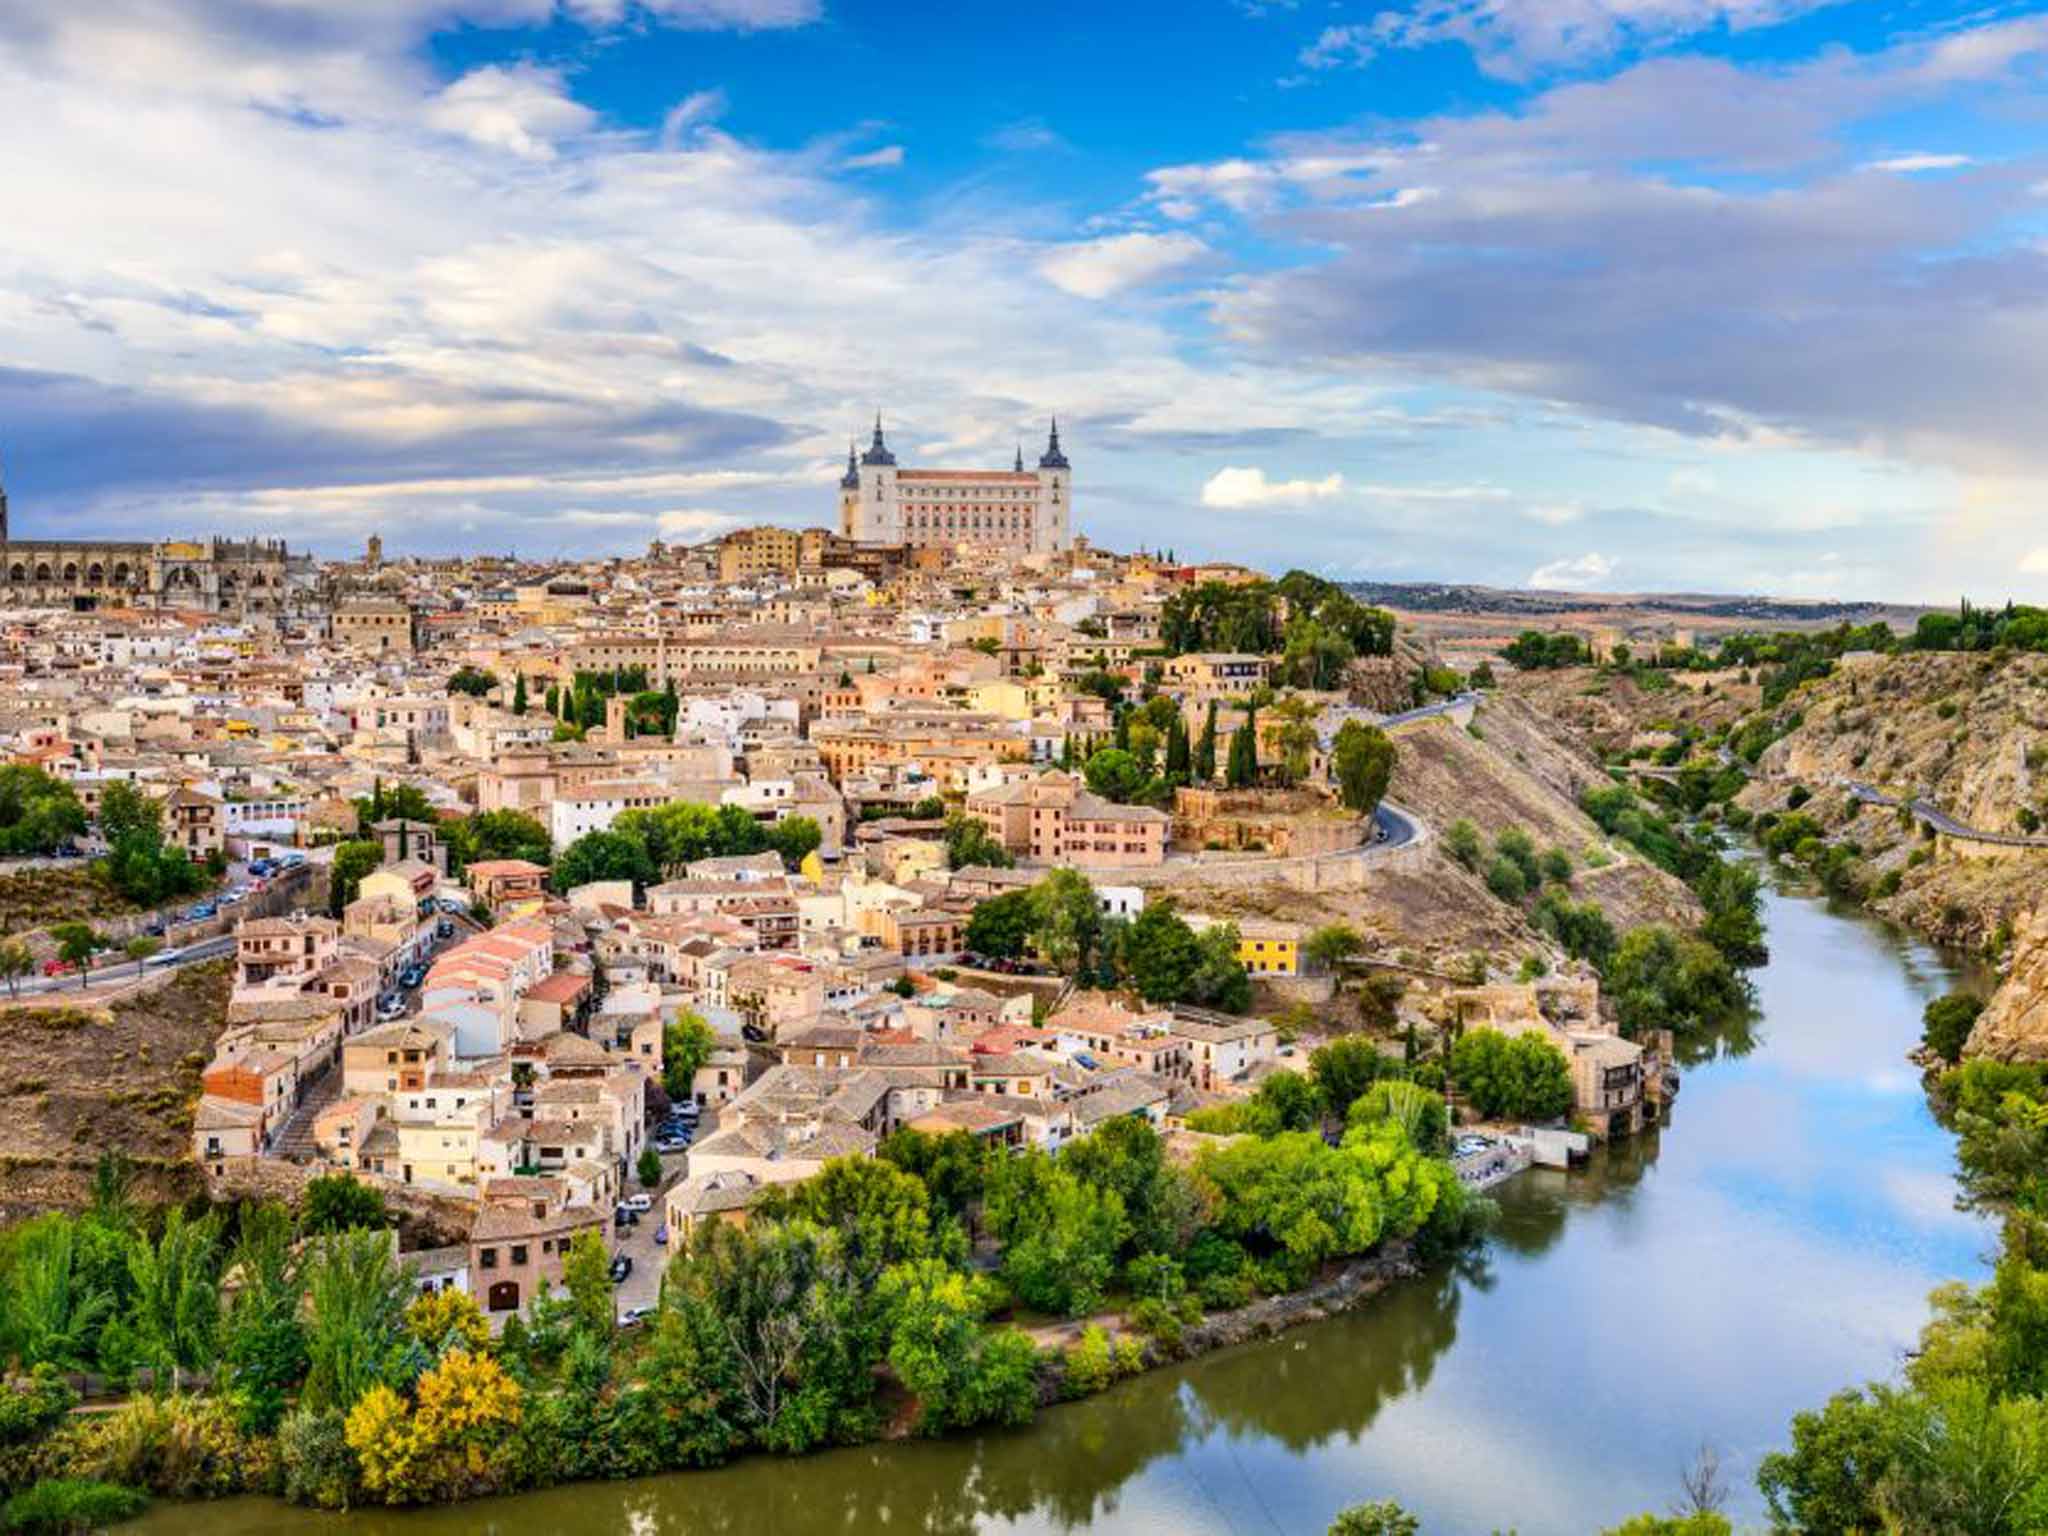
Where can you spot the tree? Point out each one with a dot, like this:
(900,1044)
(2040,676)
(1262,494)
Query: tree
(1001,925)
(125,809)
(1381,1518)
(1946,1024)
(176,1306)
(77,943)
(1115,775)
(1066,921)
(497,835)
(1243,769)
(1219,979)
(1504,878)
(1362,763)
(1059,1235)
(610,855)
(53,1311)
(649,1167)
(1660,979)
(1523,1077)
(263,1335)
(969,844)
(16,961)
(519,695)
(1344,1068)
(473,681)
(1205,748)
(586,1276)
(352,861)
(1158,952)
(449,1444)
(38,814)
(795,838)
(686,1044)
(140,948)
(1421,1114)
(340,1202)
(1332,944)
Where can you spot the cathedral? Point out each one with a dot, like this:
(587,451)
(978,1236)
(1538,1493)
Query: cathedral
(224,576)
(1017,510)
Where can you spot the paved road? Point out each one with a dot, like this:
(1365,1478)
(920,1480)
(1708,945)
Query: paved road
(1431,711)
(1396,828)
(120,973)
(1942,822)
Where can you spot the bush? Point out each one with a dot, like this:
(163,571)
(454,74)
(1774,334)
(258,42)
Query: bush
(1946,1024)
(319,1469)
(1461,841)
(180,1447)
(1505,879)
(1091,1365)
(72,1504)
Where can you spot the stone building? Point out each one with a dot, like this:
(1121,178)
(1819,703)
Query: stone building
(1017,511)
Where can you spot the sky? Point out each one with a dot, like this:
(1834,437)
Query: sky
(1626,295)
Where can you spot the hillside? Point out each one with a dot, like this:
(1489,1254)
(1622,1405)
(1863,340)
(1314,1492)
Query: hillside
(78,1080)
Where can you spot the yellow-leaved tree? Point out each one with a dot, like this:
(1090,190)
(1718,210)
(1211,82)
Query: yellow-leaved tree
(448,1443)
(448,1317)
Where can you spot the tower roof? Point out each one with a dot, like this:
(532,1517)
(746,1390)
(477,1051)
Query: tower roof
(1052,458)
(850,481)
(878,451)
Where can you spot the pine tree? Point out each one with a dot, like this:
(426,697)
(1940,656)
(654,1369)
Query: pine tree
(519,695)
(554,701)
(1205,749)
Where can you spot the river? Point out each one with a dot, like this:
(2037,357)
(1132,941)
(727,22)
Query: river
(1775,1243)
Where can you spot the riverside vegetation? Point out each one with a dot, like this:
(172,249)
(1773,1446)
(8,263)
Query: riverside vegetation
(264,1352)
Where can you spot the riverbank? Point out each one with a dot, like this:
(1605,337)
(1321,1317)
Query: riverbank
(1704,1282)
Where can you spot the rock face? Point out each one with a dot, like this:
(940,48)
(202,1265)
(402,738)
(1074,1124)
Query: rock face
(2014,1024)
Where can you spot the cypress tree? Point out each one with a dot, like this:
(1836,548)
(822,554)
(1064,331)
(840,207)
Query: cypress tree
(519,695)
(1244,752)
(1205,749)
(1177,761)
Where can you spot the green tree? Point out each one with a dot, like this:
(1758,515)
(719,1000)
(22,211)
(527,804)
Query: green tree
(1520,1077)
(53,1312)
(1946,1024)
(1242,770)
(175,1310)
(1382,1518)
(340,1202)
(586,1276)
(649,1167)
(1504,878)
(352,861)
(38,814)
(1204,765)
(263,1334)
(795,838)
(1461,842)
(1421,1114)
(1059,1235)
(473,681)
(1066,921)
(1158,952)
(497,835)
(970,844)
(1342,1070)
(609,855)
(16,961)
(1331,945)
(1362,763)
(1001,925)
(77,943)
(1660,979)
(686,1044)
(125,809)
(1115,775)
(140,948)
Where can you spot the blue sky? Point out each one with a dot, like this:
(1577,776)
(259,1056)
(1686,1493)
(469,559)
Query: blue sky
(1611,294)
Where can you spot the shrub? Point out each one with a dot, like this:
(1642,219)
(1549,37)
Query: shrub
(1505,879)
(1091,1366)
(1946,1024)
(72,1504)
(180,1447)
(1461,841)
(318,1466)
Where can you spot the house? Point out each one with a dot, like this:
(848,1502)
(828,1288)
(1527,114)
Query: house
(1055,819)
(194,821)
(496,882)
(266,947)
(520,1240)
(404,839)
(393,1058)
(1222,1047)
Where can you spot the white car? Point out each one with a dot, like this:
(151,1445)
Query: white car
(641,1203)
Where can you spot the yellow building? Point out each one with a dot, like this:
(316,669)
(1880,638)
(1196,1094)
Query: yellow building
(762,551)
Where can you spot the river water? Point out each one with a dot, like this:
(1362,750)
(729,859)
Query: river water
(1775,1243)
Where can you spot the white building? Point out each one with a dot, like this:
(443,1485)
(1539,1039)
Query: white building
(1022,511)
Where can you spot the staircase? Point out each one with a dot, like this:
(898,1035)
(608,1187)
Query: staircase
(294,1139)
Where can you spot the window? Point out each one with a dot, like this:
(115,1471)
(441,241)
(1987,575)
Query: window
(519,1253)
(487,1258)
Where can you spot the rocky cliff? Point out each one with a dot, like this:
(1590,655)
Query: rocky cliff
(2014,1025)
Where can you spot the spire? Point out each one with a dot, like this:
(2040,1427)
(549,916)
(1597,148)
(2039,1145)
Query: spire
(851,479)
(1020,459)
(878,451)
(1052,458)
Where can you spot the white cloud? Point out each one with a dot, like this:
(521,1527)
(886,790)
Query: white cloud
(888,157)
(1906,165)
(1554,514)
(522,109)
(1236,489)
(694,110)
(2035,562)
(1096,269)
(1578,574)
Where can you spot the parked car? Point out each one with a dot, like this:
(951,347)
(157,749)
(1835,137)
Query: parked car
(58,967)
(622,1266)
(640,1202)
(689,1109)
(633,1317)
(444,929)
(411,976)
(661,1234)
